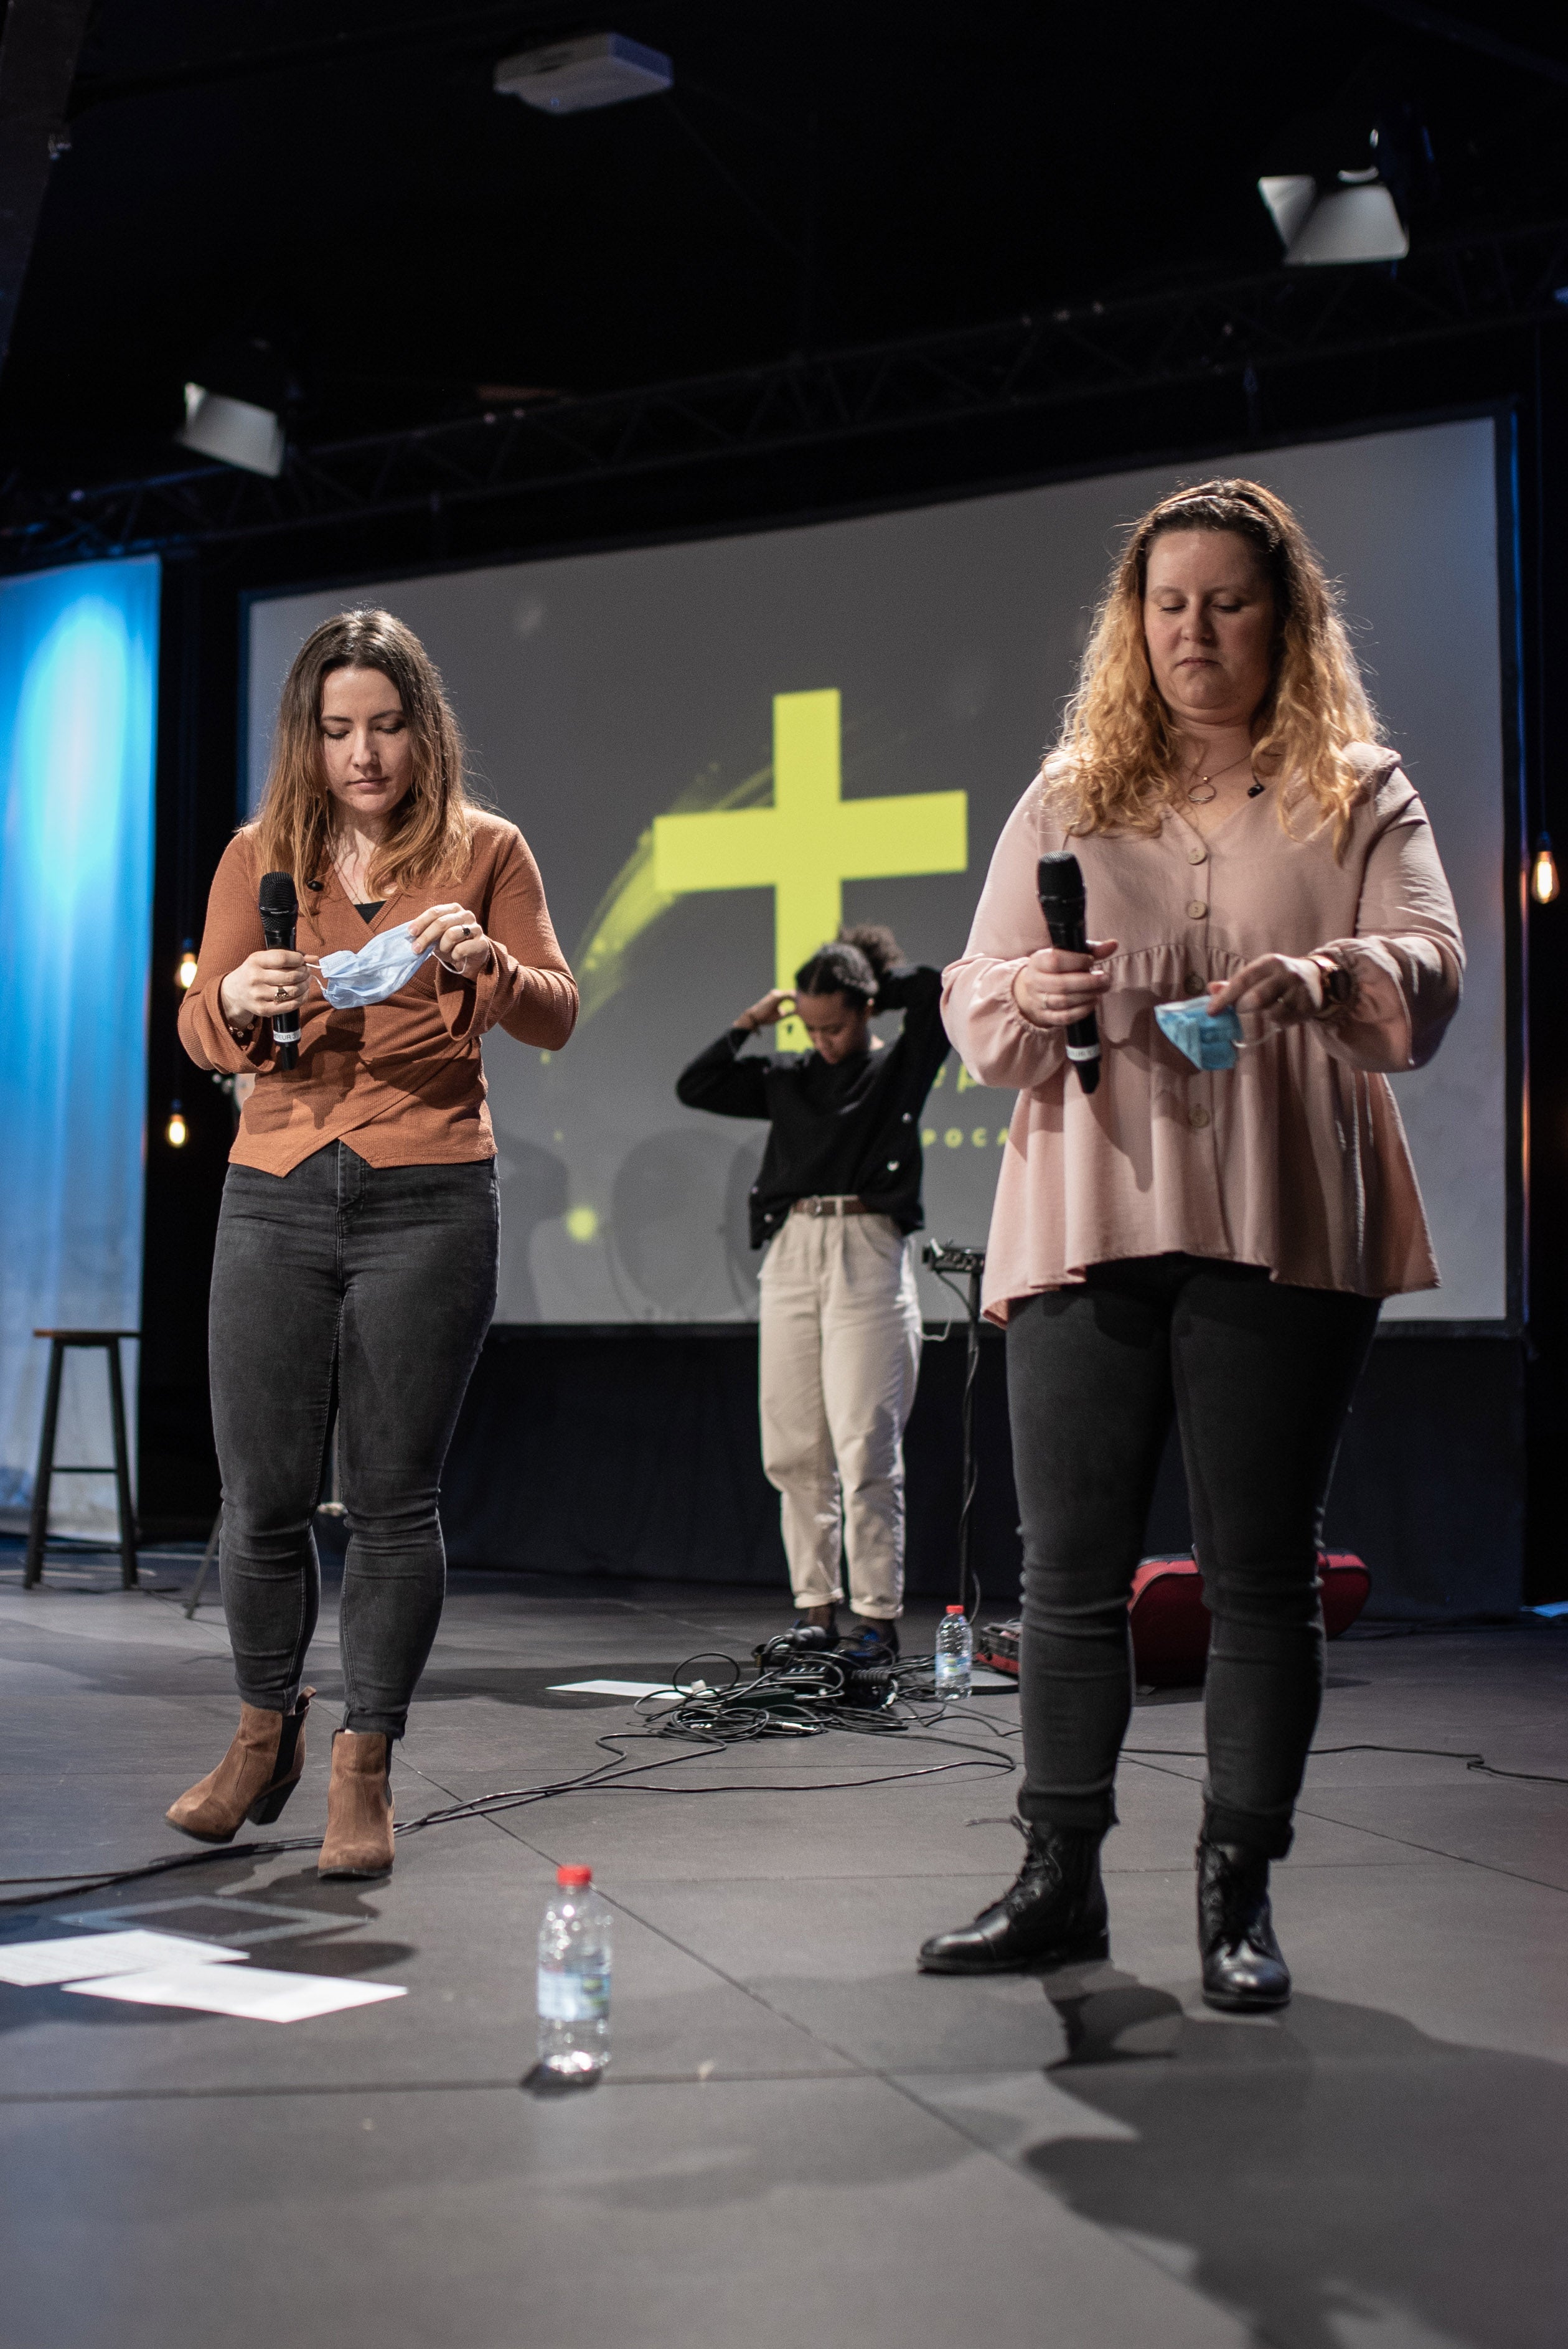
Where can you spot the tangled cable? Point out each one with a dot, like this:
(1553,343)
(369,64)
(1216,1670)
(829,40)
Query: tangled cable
(769,1703)
(796,1691)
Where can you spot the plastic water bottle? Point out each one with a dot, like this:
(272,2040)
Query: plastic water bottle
(575,1977)
(954,1655)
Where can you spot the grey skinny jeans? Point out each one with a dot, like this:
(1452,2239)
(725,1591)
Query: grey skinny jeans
(372,1286)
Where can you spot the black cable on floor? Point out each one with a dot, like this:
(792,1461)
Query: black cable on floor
(613,1776)
(610,1777)
(1435,1753)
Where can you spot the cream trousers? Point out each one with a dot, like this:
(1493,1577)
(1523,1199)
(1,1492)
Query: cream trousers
(839,1356)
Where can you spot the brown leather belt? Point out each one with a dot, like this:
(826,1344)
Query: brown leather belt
(832,1206)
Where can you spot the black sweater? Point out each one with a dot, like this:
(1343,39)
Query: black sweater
(846,1131)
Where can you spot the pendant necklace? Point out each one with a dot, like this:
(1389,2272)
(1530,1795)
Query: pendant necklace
(1199,794)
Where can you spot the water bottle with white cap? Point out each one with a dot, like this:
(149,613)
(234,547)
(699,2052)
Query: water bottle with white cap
(954,1655)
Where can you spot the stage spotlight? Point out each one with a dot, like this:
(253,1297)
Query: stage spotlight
(232,430)
(570,76)
(1356,221)
(185,968)
(1341,208)
(176,1133)
(1544,886)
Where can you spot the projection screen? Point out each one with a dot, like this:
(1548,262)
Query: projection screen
(910,667)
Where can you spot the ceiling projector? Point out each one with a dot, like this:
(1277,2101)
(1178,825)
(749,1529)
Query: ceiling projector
(596,70)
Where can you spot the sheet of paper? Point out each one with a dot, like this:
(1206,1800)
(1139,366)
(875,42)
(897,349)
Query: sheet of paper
(31,1963)
(612,1688)
(255,1992)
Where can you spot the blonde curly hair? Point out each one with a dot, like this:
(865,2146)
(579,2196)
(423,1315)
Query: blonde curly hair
(1118,743)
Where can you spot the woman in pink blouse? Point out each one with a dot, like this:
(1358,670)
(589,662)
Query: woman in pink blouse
(1212,1242)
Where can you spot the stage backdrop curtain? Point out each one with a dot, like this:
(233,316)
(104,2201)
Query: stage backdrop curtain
(78,670)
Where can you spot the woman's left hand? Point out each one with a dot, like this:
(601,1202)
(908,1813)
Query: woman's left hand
(458,938)
(1283,988)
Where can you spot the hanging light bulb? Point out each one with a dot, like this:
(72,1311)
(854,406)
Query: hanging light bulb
(1545,885)
(176,1133)
(185,968)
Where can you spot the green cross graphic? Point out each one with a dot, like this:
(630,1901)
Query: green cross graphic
(810,840)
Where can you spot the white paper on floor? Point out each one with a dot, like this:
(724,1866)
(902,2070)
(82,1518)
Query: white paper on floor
(255,1992)
(34,1963)
(612,1688)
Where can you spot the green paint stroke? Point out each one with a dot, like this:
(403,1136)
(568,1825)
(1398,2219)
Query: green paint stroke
(631,905)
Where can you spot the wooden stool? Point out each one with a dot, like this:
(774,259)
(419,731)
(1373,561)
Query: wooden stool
(38,1528)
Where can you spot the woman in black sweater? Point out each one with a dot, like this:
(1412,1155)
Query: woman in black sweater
(835,1204)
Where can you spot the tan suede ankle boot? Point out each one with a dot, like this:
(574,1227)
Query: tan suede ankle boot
(358,1840)
(253,1780)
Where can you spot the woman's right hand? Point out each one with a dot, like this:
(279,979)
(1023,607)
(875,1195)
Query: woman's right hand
(776,1004)
(266,983)
(1055,987)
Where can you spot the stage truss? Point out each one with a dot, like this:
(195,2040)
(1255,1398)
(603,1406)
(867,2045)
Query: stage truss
(1247,328)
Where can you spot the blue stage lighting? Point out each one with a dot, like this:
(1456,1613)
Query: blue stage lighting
(78,680)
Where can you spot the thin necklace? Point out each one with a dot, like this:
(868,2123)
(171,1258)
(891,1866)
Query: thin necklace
(345,863)
(1198,792)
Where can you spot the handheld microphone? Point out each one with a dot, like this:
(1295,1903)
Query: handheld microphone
(1060,885)
(279,909)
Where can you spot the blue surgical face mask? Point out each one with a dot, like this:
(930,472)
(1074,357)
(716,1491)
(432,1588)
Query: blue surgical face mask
(377,971)
(1208,1039)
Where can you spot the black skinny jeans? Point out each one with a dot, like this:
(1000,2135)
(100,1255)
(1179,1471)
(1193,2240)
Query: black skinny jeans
(372,1286)
(1260,1376)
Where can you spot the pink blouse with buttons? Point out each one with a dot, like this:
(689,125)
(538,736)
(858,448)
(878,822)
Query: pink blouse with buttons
(1295,1158)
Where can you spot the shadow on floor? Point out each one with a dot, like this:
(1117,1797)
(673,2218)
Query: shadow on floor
(1335,2175)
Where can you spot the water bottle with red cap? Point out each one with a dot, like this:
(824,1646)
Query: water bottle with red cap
(575,1977)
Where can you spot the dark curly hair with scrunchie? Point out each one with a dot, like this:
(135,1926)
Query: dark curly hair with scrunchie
(853,966)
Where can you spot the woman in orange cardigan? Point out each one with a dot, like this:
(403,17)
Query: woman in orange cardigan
(355,1258)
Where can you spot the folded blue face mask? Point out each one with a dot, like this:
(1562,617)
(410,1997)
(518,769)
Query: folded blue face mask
(377,971)
(1208,1039)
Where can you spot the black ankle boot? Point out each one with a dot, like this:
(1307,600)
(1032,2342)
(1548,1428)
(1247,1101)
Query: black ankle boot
(871,1643)
(1243,1973)
(1054,1913)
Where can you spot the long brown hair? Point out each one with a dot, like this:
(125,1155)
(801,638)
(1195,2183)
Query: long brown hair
(1117,732)
(431,832)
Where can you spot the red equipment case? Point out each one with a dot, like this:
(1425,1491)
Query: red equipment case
(1171,1622)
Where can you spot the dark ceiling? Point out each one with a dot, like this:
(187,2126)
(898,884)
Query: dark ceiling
(322,203)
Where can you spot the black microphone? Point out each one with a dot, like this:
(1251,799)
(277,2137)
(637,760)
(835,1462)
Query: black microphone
(279,910)
(1060,883)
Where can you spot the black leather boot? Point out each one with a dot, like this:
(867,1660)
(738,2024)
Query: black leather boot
(1053,1914)
(1243,1973)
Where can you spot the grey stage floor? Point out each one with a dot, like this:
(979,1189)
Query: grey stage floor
(801,2139)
